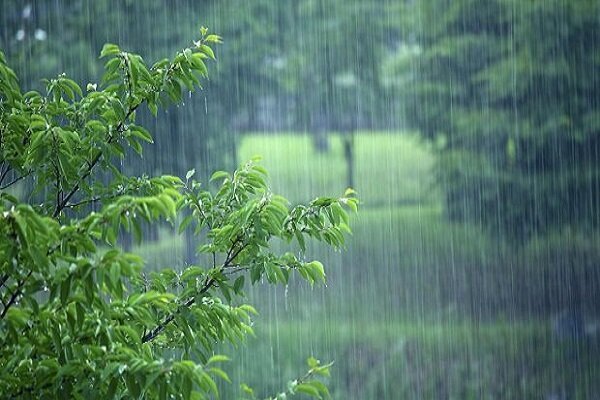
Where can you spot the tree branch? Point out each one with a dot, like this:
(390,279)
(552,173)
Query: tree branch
(92,164)
(95,199)
(96,159)
(3,175)
(158,329)
(15,295)
(9,184)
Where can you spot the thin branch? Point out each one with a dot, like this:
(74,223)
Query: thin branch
(158,329)
(4,172)
(94,199)
(311,372)
(15,295)
(9,184)
(58,185)
(92,164)
(87,201)
(230,259)
(96,159)
(234,269)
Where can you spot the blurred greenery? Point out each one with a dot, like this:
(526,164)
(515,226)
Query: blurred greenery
(505,90)
(417,305)
(509,89)
(399,360)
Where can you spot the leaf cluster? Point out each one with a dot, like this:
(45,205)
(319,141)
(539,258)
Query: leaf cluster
(81,318)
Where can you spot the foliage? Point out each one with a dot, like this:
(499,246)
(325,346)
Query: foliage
(508,90)
(81,318)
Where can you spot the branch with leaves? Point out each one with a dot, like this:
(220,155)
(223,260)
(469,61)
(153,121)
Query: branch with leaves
(82,318)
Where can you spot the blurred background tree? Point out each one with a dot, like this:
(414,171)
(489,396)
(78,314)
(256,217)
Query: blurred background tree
(509,91)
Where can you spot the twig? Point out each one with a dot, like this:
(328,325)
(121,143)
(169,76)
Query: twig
(92,164)
(15,295)
(158,329)
(95,199)
(9,184)
(4,172)
(235,269)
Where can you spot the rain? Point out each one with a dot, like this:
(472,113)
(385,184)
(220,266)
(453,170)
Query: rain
(470,130)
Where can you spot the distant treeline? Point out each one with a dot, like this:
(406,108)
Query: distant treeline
(507,90)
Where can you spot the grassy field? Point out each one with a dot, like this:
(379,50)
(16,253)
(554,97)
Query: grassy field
(390,169)
(421,361)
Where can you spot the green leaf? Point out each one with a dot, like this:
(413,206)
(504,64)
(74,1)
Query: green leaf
(207,50)
(185,222)
(238,285)
(189,174)
(247,389)
(308,389)
(219,175)
(217,358)
(300,240)
(141,133)
(65,289)
(109,49)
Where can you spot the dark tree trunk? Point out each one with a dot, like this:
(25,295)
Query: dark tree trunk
(348,139)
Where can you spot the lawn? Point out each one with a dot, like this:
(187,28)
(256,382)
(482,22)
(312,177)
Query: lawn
(391,168)
(397,360)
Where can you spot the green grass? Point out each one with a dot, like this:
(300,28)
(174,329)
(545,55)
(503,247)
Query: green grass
(390,168)
(396,360)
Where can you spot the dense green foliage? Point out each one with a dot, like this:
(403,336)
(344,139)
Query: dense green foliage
(81,318)
(510,90)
